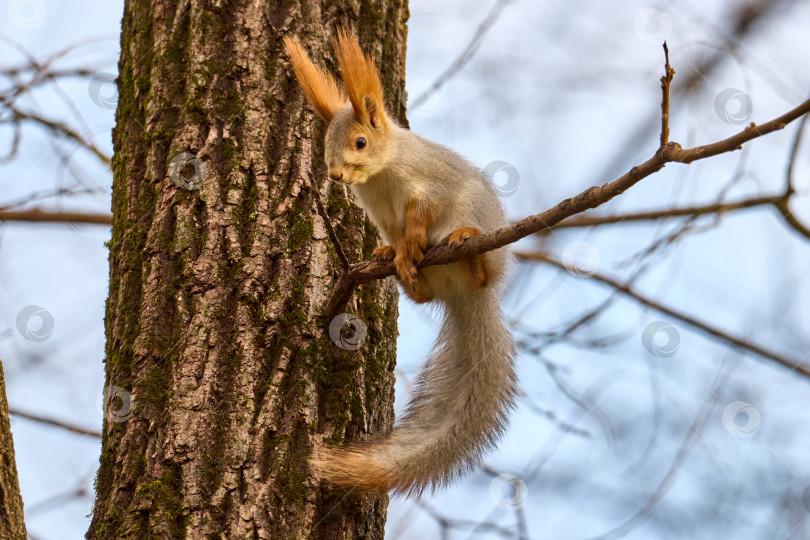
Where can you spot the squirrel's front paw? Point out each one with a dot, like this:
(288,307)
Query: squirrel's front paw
(383,253)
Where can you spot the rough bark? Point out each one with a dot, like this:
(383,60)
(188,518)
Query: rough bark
(215,338)
(12,523)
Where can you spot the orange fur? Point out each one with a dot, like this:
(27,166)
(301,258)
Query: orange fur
(361,80)
(479,275)
(477,271)
(421,293)
(409,246)
(418,217)
(353,468)
(320,87)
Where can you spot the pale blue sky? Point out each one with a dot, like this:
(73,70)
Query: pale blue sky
(553,90)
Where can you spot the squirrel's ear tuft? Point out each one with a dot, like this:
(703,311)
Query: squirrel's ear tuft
(319,86)
(361,80)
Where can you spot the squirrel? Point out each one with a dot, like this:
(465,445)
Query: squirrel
(419,193)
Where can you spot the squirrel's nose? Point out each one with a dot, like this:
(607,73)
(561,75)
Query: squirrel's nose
(335,175)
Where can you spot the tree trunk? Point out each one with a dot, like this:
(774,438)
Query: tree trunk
(12,522)
(221,374)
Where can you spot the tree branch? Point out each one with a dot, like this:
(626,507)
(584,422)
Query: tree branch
(36,215)
(780,202)
(55,423)
(746,18)
(590,198)
(716,208)
(66,131)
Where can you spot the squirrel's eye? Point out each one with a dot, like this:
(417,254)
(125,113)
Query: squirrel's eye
(360,142)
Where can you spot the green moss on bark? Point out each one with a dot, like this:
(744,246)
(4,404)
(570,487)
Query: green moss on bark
(212,319)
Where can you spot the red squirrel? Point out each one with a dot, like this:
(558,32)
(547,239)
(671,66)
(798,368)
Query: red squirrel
(419,193)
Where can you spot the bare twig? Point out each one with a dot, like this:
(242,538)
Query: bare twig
(784,205)
(666,485)
(445,522)
(330,230)
(41,195)
(745,19)
(794,151)
(798,365)
(716,208)
(791,219)
(62,129)
(466,55)
(666,80)
(56,423)
(553,418)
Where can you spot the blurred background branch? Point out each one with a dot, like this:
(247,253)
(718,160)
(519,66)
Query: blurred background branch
(629,424)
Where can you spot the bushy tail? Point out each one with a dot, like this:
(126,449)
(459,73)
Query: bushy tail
(459,410)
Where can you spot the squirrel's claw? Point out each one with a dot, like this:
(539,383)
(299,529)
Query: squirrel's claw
(383,253)
(461,234)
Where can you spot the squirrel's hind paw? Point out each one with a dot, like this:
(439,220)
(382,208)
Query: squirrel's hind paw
(461,234)
(407,272)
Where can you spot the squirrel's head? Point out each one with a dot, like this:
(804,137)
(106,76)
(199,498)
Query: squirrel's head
(358,126)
